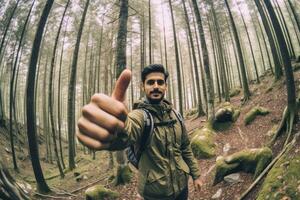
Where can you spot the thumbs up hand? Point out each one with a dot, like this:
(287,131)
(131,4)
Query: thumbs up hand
(104,116)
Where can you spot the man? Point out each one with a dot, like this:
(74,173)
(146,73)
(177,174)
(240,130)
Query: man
(167,160)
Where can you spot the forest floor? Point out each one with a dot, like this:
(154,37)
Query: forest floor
(237,136)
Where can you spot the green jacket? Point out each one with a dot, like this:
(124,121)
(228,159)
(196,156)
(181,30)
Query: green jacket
(168,159)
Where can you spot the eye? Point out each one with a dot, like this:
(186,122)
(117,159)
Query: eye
(150,82)
(160,82)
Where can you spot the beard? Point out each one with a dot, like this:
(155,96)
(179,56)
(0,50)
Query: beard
(155,100)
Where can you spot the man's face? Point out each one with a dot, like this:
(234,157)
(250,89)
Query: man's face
(155,87)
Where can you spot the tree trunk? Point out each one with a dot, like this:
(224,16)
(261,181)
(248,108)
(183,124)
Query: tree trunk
(9,189)
(195,65)
(286,31)
(51,90)
(169,94)
(240,55)
(277,66)
(71,92)
(208,77)
(290,84)
(221,54)
(30,104)
(59,101)
(7,27)
(150,38)
(177,60)
(120,66)
(296,16)
(251,48)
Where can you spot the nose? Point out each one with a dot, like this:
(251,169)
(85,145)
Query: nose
(155,84)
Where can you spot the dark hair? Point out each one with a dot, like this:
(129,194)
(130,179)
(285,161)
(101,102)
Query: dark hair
(154,68)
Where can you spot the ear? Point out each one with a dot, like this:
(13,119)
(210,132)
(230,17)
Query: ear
(142,86)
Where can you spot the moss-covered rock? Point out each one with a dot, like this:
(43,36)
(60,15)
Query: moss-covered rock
(202,143)
(99,192)
(123,175)
(227,113)
(283,180)
(236,114)
(248,160)
(234,92)
(257,110)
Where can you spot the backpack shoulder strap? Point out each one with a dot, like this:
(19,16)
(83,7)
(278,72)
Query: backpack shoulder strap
(148,129)
(179,117)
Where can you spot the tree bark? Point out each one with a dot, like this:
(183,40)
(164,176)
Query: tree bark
(277,66)
(71,92)
(51,90)
(240,55)
(30,104)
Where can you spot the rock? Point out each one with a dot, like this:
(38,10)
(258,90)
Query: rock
(76,174)
(202,143)
(248,160)
(84,177)
(7,150)
(218,194)
(251,115)
(233,178)
(99,192)
(224,115)
(226,148)
(78,178)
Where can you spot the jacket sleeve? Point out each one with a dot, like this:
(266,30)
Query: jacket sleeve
(134,126)
(188,155)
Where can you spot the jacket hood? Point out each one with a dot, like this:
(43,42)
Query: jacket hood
(158,109)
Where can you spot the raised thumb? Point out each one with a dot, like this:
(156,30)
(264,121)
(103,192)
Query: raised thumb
(121,86)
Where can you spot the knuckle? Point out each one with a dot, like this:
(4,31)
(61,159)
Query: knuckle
(86,109)
(81,124)
(97,97)
(120,109)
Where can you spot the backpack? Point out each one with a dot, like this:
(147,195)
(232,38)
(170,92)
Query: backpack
(134,153)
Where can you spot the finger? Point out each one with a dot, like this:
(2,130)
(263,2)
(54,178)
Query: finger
(110,105)
(122,85)
(98,116)
(94,131)
(92,143)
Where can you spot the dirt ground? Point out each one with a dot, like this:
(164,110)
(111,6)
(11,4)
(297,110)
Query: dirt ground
(238,136)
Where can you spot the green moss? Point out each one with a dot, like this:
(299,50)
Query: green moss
(248,160)
(251,115)
(222,169)
(203,143)
(236,114)
(124,175)
(282,180)
(99,192)
(227,112)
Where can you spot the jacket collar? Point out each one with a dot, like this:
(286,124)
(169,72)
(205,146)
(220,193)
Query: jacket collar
(158,109)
